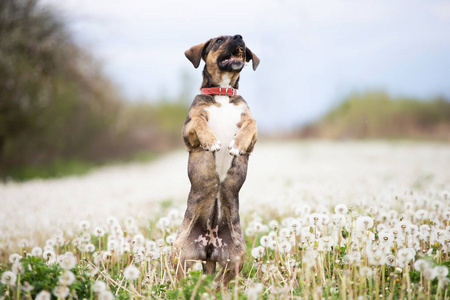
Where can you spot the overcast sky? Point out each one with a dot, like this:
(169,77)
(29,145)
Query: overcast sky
(313,53)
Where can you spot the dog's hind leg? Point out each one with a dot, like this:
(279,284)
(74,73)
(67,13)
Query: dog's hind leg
(194,235)
(231,256)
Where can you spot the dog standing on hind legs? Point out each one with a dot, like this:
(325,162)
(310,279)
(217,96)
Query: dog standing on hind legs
(219,133)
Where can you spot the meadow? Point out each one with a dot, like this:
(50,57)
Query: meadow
(322,220)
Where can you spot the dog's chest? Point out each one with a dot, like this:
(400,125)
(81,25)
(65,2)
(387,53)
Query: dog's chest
(223,120)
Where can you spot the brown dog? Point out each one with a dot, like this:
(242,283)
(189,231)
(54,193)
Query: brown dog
(211,230)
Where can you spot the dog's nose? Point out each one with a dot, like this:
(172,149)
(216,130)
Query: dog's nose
(237,37)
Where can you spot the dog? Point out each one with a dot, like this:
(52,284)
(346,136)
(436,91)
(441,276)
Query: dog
(218,118)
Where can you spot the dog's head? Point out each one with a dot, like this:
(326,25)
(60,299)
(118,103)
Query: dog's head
(222,55)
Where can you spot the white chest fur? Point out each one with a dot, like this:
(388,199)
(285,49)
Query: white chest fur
(223,120)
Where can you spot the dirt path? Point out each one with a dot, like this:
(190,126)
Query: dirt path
(281,175)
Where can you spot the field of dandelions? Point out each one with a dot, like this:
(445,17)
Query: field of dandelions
(322,220)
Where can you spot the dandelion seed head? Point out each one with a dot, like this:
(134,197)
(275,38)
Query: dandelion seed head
(429,273)
(36,251)
(9,278)
(338,219)
(170,239)
(43,295)
(365,272)
(13,258)
(420,214)
(131,273)
(249,231)
(341,209)
(89,247)
(265,240)
(67,278)
(160,243)
(61,291)
(421,265)
(17,268)
(441,271)
(84,225)
(49,255)
(285,247)
(106,295)
(67,262)
(163,223)
(273,224)
(99,231)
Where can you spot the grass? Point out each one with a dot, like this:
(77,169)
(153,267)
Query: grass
(393,250)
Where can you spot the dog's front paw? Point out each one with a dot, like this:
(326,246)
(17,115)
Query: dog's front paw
(235,150)
(212,146)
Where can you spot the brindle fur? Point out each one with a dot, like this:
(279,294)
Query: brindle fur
(211,230)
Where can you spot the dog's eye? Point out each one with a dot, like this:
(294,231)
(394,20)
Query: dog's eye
(219,40)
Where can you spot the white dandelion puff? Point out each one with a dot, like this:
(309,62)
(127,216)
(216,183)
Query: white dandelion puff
(160,243)
(106,295)
(420,214)
(249,231)
(258,252)
(67,278)
(23,243)
(150,245)
(338,220)
(131,272)
(341,209)
(163,223)
(106,255)
(364,223)
(138,240)
(49,256)
(84,225)
(36,251)
(13,258)
(170,239)
(390,260)
(197,266)
(17,268)
(265,240)
(9,278)
(406,254)
(421,265)
(377,259)
(89,247)
(99,231)
(285,247)
(441,271)
(429,273)
(273,224)
(61,291)
(99,286)
(43,295)
(68,262)
(365,272)
(86,237)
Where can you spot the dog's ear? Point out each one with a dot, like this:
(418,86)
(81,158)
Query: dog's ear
(196,53)
(250,56)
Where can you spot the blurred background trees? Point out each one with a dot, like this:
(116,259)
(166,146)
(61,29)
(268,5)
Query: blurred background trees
(376,114)
(57,105)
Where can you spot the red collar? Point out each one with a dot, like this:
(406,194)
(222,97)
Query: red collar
(219,91)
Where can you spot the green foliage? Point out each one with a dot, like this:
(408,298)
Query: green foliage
(378,115)
(39,274)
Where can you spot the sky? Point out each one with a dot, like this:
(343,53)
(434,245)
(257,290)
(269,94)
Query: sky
(313,53)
